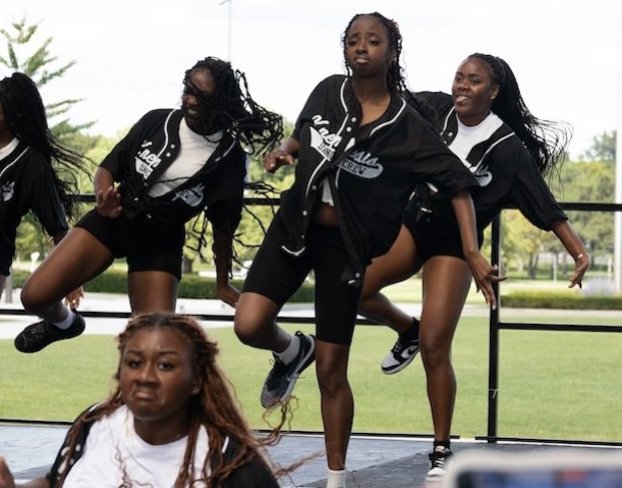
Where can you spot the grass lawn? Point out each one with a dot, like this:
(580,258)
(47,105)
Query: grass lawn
(552,385)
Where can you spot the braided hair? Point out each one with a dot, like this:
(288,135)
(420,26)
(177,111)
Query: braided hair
(26,119)
(233,108)
(396,77)
(214,407)
(545,140)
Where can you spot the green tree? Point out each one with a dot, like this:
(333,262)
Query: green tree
(26,54)
(42,67)
(603,147)
(582,181)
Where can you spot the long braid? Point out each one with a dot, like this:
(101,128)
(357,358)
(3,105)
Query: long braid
(214,408)
(26,118)
(254,126)
(545,140)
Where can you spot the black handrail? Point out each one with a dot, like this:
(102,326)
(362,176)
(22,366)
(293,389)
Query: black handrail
(495,325)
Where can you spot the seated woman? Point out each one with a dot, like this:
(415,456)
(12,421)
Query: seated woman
(171,422)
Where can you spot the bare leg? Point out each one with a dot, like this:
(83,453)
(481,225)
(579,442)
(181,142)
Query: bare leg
(2,280)
(152,291)
(337,403)
(446,282)
(78,258)
(399,264)
(255,325)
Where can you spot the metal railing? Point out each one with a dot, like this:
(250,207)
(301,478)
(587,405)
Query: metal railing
(495,327)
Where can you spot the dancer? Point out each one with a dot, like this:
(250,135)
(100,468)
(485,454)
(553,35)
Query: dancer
(172,420)
(172,165)
(361,150)
(487,124)
(37,173)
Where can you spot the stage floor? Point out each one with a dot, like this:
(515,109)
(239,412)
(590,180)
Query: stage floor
(373,462)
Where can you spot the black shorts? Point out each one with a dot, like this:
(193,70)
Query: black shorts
(277,275)
(147,244)
(434,235)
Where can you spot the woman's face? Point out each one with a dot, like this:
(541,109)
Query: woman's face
(156,377)
(367,48)
(473,91)
(197,101)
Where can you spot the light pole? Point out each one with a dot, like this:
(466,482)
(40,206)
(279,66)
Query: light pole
(617,240)
(229,29)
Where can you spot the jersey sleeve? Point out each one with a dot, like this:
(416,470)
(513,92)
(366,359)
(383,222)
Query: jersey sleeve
(440,101)
(118,160)
(43,197)
(530,193)
(254,474)
(432,161)
(316,103)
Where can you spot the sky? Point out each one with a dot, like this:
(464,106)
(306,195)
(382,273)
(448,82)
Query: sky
(131,54)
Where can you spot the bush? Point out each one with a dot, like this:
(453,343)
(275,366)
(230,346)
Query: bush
(191,286)
(560,299)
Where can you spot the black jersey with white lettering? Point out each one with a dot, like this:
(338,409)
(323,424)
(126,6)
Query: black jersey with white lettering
(150,147)
(372,169)
(27,184)
(506,174)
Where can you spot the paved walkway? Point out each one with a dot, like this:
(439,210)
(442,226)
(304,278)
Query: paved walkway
(373,462)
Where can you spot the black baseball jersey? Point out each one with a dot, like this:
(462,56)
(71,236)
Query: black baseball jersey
(372,169)
(150,147)
(27,183)
(505,171)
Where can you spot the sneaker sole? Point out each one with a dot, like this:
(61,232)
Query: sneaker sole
(23,345)
(305,363)
(399,367)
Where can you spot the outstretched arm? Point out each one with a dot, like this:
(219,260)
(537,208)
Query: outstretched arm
(108,199)
(568,237)
(483,273)
(7,481)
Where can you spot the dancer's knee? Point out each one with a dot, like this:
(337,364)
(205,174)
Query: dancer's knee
(332,378)
(434,353)
(248,327)
(33,299)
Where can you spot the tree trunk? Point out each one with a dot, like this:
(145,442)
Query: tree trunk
(186,265)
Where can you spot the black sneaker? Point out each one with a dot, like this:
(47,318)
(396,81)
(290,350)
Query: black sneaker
(37,336)
(403,352)
(282,377)
(439,458)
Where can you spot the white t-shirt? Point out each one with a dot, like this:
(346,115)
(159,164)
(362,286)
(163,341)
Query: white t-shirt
(113,449)
(470,135)
(194,151)
(9,148)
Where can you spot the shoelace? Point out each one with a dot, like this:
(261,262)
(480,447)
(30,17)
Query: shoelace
(278,369)
(39,331)
(400,345)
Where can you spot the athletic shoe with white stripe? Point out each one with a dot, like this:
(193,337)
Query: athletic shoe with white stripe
(282,377)
(439,458)
(403,352)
